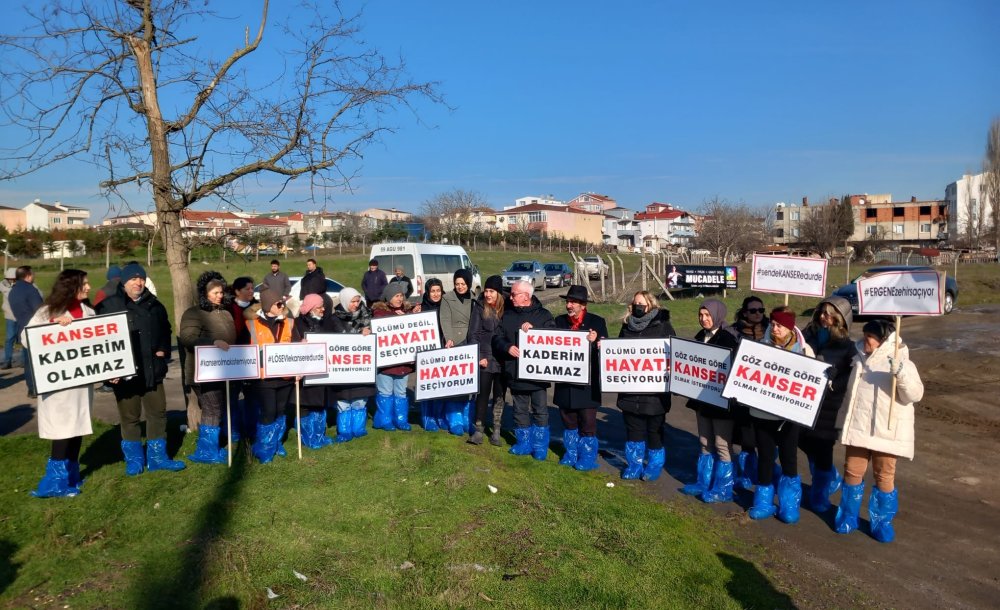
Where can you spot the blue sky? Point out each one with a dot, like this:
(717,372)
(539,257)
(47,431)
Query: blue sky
(660,101)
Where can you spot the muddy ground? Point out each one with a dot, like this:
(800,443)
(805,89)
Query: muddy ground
(947,551)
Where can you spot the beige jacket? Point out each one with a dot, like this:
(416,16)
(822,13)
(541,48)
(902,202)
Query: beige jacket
(866,418)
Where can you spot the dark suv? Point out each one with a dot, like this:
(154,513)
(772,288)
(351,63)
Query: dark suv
(558,274)
(850,291)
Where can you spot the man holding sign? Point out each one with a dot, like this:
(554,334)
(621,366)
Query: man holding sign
(531,417)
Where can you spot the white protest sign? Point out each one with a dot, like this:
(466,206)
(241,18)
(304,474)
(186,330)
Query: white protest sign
(554,355)
(293,359)
(214,364)
(779,382)
(902,293)
(86,351)
(447,372)
(789,275)
(699,371)
(401,337)
(350,359)
(636,366)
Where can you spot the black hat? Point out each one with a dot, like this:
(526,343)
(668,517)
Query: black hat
(879,328)
(373,261)
(494,282)
(577,293)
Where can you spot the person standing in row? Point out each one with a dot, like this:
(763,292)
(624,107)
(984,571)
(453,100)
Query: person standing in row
(268,325)
(455,312)
(373,283)
(313,318)
(875,431)
(644,413)
(208,323)
(314,282)
(351,317)
(64,415)
(487,311)
(277,281)
(432,412)
(828,334)
(244,412)
(715,425)
(751,323)
(392,407)
(578,403)
(531,415)
(114,277)
(772,433)
(150,331)
(401,277)
(10,338)
(25,299)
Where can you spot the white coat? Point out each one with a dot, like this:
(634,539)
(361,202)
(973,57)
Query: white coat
(866,419)
(66,413)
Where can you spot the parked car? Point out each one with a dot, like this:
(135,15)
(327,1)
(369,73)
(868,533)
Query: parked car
(558,274)
(333,289)
(422,262)
(529,271)
(595,267)
(850,291)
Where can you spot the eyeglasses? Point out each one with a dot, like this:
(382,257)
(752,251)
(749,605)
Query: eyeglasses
(755,310)
(518,294)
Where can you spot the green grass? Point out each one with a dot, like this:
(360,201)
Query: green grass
(350,517)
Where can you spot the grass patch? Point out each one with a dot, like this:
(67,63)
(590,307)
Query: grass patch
(391,520)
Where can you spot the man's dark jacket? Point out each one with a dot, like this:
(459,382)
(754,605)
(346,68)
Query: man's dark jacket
(150,331)
(507,335)
(372,284)
(313,282)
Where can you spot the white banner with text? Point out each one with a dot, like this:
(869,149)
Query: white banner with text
(902,293)
(635,366)
(85,351)
(554,355)
(400,338)
(215,364)
(699,371)
(294,359)
(789,275)
(350,359)
(442,373)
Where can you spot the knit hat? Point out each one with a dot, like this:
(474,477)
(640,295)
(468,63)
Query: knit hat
(393,289)
(114,272)
(881,329)
(268,298)
(717,309)
(785,318)
(494,282)
(466,275)
(312,301)
(10,273)
(373,261)
(347,295)
(133,270)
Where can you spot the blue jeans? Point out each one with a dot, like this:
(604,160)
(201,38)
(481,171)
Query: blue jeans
(391,385)
(351,405)
(8,344)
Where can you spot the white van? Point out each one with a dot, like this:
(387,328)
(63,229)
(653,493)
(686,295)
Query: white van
(421,262)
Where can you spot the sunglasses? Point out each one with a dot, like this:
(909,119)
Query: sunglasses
(755,310)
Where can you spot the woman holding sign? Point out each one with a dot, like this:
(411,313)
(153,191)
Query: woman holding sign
(773,432)
(578,403)
(392,408)
(828,335)
(877,429)
(313,318)
(432,411)
(643,413)
(486,315)
(208,323)
(715,425)
(64,416)
(352,318)
(455,312)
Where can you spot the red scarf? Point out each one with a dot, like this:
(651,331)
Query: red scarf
(75,309)
(576,323)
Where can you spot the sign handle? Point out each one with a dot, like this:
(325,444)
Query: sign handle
(229,428)
(298,419)
(786,299)
(895,360)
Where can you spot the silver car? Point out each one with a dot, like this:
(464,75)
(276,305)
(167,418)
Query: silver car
(529,271)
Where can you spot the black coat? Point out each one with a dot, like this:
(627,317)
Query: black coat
(840,355)
(507,335)
(149,329)
(313,282)
(647,404)
(481,331)
(314,395)
(404,279)
(576,396)
(724,337)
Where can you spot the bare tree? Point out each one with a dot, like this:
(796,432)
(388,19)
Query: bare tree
(975,212)
(875,243)
(140,95)
(826,227)
(733,230)
(452,212)
(991,178)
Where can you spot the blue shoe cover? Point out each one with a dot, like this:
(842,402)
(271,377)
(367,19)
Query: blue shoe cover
(266,444)
(722,483)
(746,470)
(279,447)
(466,423)
(453,414)
(540,442)
(135,458)
(206,448)
(73,470)
(156,456)
(55,483)
(439,407)
(635,451)
(359,419)
(703,474)
(383,413)
(882,507)
(825,483)
(427,417)
(587,459)
(316,437)
(763,503)
(846,520)
(522,444)
(345,426)
(401,413)
(571,441)
(789,498)
(654,464)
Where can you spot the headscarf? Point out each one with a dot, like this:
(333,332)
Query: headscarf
(427,304)
(717,309)
(881,329)
(466,275)
(346,296)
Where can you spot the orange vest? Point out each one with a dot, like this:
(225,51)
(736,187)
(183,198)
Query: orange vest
(260,334)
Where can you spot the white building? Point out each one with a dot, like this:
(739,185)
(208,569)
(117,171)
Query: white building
(964,195)
(46,217)
(535,199)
